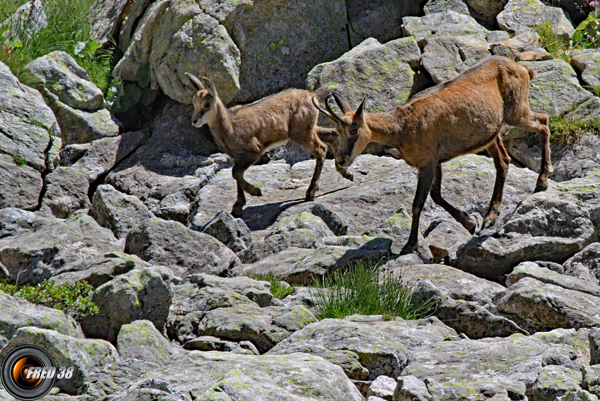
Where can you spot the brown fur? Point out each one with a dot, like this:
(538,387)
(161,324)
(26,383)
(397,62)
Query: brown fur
(459,116)
(246,132)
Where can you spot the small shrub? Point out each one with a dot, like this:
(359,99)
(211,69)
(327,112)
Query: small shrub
(587,33)
(554,44)
(564,131)
(364,290)
(73,299)
(279,289)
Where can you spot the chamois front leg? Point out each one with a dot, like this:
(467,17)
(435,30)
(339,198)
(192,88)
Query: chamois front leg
(319,151)
(538,122)
(237,172)
(436,194)
(501,161)
(425,180)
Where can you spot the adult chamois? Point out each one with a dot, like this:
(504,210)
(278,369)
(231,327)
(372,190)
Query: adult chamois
(246,132)
(456,117)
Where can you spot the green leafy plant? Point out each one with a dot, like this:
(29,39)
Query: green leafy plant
(364,290)
(20,160)
(587,33)
(279,289)
(74,299)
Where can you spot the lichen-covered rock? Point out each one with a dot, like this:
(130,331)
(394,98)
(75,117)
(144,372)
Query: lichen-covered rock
(229,376)
(141,340)
(378,19)
(547,306)
(382,347)
(445,239)
(117,211)
(185,251)
(587,63)
(231,231)
(383,72)
(87,356)
(76,101)
(533,270)
(523,47)
(449,23)
(16,312)
(137,295)
(585,264)
(27,130)
(48,246)
(521,16)
(440,6)
(496,367)
(66,192)
(444,57)
(594,338)
(591,379)
(105,17)
(409,388)
(555,381)
(210,343)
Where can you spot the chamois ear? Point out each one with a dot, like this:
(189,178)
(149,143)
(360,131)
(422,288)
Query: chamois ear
(195,81)
(359,116)
(210,87)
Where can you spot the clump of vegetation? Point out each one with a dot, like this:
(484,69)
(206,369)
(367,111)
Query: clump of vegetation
(279,289)
(73,299)
(364,290)
(587,33)
(68,30)
(556,45)
(565,131)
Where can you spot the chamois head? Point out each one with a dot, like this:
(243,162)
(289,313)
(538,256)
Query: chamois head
(353,131)
(204,100)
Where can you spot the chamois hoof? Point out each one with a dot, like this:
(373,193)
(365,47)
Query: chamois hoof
(349,176)
(237,210)
(254,191)
(408,249)
(540,187)
(474,224)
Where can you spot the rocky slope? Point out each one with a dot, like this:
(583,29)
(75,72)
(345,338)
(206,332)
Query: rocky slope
(143,215)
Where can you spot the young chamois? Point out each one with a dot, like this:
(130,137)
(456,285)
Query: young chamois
(459,116)
(246,132)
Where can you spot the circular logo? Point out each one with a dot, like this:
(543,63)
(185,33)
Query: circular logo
(27,373)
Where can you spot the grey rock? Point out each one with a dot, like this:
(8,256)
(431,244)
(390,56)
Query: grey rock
(378,19)
(523,47)
(105,17)
(444,57)
(117,211)
(75,100)
(185,251)
(547,306)
(486,8)
(137,295)
(533,270)
(51,246)
(594,338)
(445,239)
(494,366)
(27,128)
(382,347)
(210,343)
(331,218)
(60,74)
(587,63)
(410,388)
(520,16)
(66,192)
(87,356)
(591,379)
(440,6)
(231,231)
(578,395)
(141,340)
(554,382)
(389,80)
(229,376)
(18,313)
(26,22)
(449,23)
(382,387)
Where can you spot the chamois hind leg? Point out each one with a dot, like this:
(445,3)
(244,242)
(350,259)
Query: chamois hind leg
(501,161)
(425,179)
(538,122)
(241,165)
(436,194)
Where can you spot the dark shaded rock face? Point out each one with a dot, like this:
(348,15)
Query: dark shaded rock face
(196,304)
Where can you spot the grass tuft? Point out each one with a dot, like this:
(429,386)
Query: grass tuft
(564,131)
(73,299)
(279,289)
(364,290)
(554,44)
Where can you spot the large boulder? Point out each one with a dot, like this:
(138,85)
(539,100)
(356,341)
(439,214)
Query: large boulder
(43,247)
(444,57)
(137,295)
(585,264)
(26,22)
(587,63)
(521,16)
(448,23)
(76,101)
(28,142)
(384,72)
(185,251)
(142,341)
